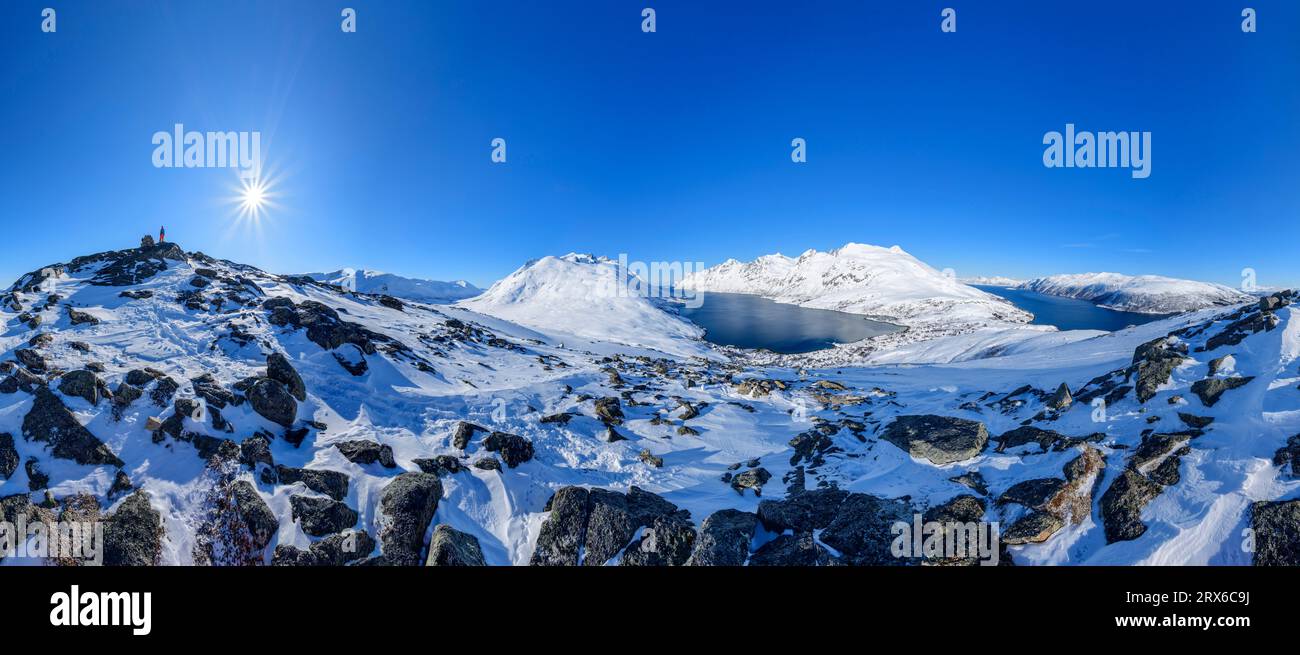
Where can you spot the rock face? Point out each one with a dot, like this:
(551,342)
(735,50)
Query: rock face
(407,508)
(1060,400)
(273,401)
(939,439)
(450,547)
(253,512)
(1121,506)
(667,542)
(133,534)
(279,369)
(515,450)
(1277,533)
(367,452)
(590,526)
(724,539)
(51,422)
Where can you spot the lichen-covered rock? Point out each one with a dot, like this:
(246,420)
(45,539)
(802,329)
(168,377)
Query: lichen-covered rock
(938,439)
(322,516)
(514,450)
(279,369)
(407,507)
(331,483)
(1210,390)
(451,547)
(133,534)
(724,539)
(49,421)
(367,452)
(272,400)
(1276,528)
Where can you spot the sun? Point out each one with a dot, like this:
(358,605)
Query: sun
(252,196)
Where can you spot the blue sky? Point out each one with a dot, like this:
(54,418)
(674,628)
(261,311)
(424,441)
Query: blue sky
(667,146)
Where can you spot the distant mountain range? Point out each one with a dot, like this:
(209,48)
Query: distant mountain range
(429,291)
(1145,294)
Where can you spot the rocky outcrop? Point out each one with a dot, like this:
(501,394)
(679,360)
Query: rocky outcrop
(591,526)
(84,384)
(133,534)
(49,421)
(451,547)
(1047,440)
(406,509)
(1276,527)
(1210,390)
(938,439)
(1154,363)
(464,432)
(8,456)
(724,539)
(334,550)
(331,483)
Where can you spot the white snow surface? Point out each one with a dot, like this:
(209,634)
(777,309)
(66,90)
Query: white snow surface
(1144,294)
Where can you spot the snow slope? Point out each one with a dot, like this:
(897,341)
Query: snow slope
(863,279)
(590,298)
(1145,294)
(430,291)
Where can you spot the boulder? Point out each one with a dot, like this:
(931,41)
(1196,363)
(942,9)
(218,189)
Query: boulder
(1060,400)
(451,547)
(1122,504)
(861,530)
(609,411)
(801,512)
(591,526)
(754,479)
(439,465)
(367,452)
(407,507)
(791,550)
(83,384)
(515,450)
(272,400)
(331,483)
(667,542)
(279,369)
(254,515)
(9,458)
(31,359)
(938,439)
(1154,362)
(460,437)
(322,516)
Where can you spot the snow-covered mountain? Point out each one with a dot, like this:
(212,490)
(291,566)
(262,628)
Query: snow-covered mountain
(1144,294)
(589,297)
(211,413)
(430,291)
(863,279)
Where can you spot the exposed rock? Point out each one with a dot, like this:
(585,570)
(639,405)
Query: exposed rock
(36,478)
(651,459)
(450,547)
(487,464)
(163,391)
(1154,362)
(1035,527)
(667,542)
(331,483)
(272,400)
(9,458)
(802,512)
(279,369)
(83,384)
(464,431)
(561,536)
(50,421)
(515,450)
(31,359)
(974,480)
(598,524)
(1276,528)
(752,479)
(791,550)
(758,388)
(133,534)
(352,359)
(724,539)
(210,390)
(861,529)
(1210,389)
(939,439)
(1060,400)
(334,550)
(121,486)
(609,411)
(81,318)
(407,507)
(367,452)
(1121,506)
(1194,421)
(1289,455)
(322,516)
(439,465)
(1046,439)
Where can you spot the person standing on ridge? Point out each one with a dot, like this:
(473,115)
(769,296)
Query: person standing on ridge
(162,234)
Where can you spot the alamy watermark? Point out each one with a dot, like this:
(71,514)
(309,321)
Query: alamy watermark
(657,280)
(936,540)
(1082,149)
(71,540)
(192,149)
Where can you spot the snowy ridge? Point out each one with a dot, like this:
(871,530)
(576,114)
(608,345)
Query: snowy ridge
(367,281)
(1144,294)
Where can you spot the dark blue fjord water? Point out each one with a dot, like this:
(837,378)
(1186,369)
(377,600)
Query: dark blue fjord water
(1069,313)
(745,321)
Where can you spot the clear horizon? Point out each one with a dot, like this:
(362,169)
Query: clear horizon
(671,146)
